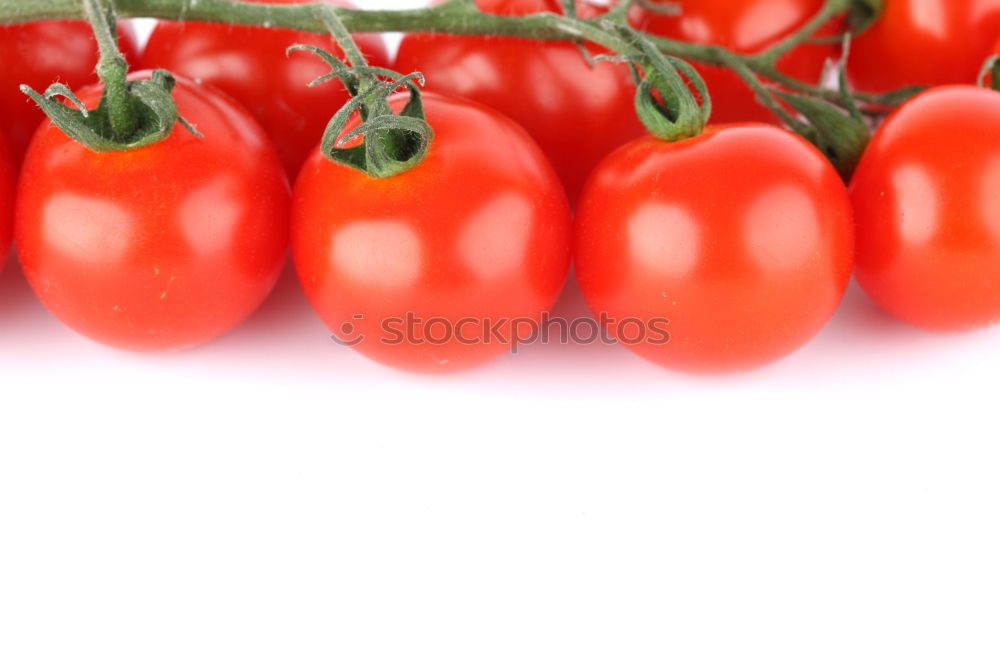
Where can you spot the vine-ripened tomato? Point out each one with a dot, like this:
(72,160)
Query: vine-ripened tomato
(743,26)
(39,54)
(476,234)
(6,202)
(924,42)
(161,247)
(576,113)
(250,64)
(741,238)
(927,202)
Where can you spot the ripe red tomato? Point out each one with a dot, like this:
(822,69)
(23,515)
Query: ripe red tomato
(927,200)
(6,203)
(250,64)
(162,247)
(39,54)
(576,113)
(476,234)
(741,238)
(743,26)
(928,42)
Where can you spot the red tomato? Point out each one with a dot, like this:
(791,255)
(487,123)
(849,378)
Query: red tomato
(928,42)
(576,113)
(6,202)
(162,247)
(250,64)
(927,200)
(743,26)
(39,54)
(741,238)
(476,234)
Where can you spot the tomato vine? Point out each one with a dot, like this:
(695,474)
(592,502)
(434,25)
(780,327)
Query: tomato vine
(828,112)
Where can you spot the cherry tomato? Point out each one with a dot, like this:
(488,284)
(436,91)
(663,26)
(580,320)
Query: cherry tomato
(162,247)
(426,270)
(741,238)
(927,201)
(39,54)
(743,26)
(576,113)
(928,42)
(250,64)
(6,203)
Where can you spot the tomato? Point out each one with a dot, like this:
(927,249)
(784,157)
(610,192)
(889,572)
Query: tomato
(250,64)
(475,236)
(743,26)
(929,42)
(6,203)
(39,54)
(927,200)
(162,247)
(741,238)
(576,113)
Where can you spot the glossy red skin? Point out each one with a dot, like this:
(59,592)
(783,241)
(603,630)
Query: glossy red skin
(6,203)
(576,113)
(460,235)
(162,247)
(927,202)
(743,26)
(249,63)
(39,54)
(742,238)
(924,42)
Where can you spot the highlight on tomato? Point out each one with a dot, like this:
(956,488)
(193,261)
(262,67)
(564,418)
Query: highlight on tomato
(740,237)
(36,54)
(924,42)
(250,64)
(160,247)
(6,203)
(427,270)
(577,113)
(927,200)
(742,26)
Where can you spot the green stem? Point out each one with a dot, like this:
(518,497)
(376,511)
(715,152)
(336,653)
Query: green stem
(460,17)
(112,69)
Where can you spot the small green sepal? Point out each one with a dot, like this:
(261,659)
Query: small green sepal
(150,101)
(392,143)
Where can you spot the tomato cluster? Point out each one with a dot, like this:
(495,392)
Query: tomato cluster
(742,240)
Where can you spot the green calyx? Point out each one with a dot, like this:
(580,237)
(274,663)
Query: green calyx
(664,101)
(131,114)
(391,143)
(152,112)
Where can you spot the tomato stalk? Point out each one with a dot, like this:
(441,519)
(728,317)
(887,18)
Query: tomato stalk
(456,17)
(671,114)
(130,114)
(391,143)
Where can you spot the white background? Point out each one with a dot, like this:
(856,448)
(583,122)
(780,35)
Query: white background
(272,498)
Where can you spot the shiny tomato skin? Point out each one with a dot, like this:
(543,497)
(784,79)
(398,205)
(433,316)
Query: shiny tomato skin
(249,64)
(480,229)
(743,26)
(39,54)
(924,42)
(576,113)
(741,238)
(159,248)
(6,203)
(927,200)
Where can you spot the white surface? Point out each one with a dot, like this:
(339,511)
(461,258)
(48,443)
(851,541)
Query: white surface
(272,498)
